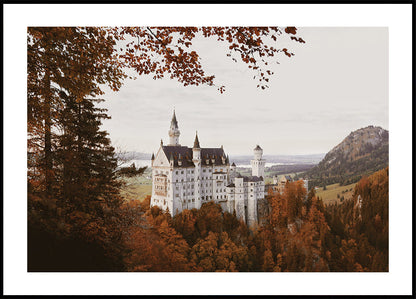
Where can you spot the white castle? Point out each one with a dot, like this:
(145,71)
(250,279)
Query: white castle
(185,178)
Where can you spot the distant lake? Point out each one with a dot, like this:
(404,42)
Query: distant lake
(267,165)
(142,163)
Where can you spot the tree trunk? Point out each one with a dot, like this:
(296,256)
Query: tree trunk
(48,136)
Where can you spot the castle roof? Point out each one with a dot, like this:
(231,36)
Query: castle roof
(184,153)
(250,178)
(253,178)
(257,147)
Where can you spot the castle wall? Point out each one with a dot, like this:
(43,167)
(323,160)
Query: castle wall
(240,199)
(252,203)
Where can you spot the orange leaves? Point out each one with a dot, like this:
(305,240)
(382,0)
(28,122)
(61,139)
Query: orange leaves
(290,30)
(217,252)
(297,39)
(172,44)
(287,53)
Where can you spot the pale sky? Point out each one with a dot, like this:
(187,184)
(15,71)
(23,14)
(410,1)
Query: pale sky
(336,83)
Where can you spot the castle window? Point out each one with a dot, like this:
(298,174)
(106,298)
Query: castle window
(176,172)
(182,172)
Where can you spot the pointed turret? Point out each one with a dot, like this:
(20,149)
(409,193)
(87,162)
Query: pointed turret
(174,131)
(174,122)
(180,160)
(153,156)
(196,142)
(196,150)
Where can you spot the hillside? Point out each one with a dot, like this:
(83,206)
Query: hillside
(362,152)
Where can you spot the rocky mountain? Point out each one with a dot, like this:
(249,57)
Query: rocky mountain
(362,152)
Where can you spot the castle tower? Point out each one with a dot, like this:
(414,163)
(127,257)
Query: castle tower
(196,158)
(240,205)
(174,131)
(232,173)
(257,164)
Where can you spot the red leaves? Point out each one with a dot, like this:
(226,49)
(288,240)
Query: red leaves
(297,39)
(290,30)
(287,53)
(172,43)
(160,51)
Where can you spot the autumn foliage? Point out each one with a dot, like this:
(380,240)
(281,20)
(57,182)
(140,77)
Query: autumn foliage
(77,220)
(299,235)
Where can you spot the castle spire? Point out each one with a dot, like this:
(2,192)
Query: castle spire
(174,122)
(174,131)
(196,142)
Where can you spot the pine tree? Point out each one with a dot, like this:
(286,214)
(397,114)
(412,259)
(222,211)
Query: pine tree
(88,160)
(85,211)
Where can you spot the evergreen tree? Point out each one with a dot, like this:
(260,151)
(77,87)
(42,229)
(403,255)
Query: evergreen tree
(87,158)
(85,210)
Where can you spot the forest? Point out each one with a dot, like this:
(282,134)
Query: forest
(297,233)
(77,220)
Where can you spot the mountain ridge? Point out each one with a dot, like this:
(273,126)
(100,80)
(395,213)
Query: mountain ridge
(362,152)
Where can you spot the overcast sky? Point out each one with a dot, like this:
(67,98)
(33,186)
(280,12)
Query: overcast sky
(336,83)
